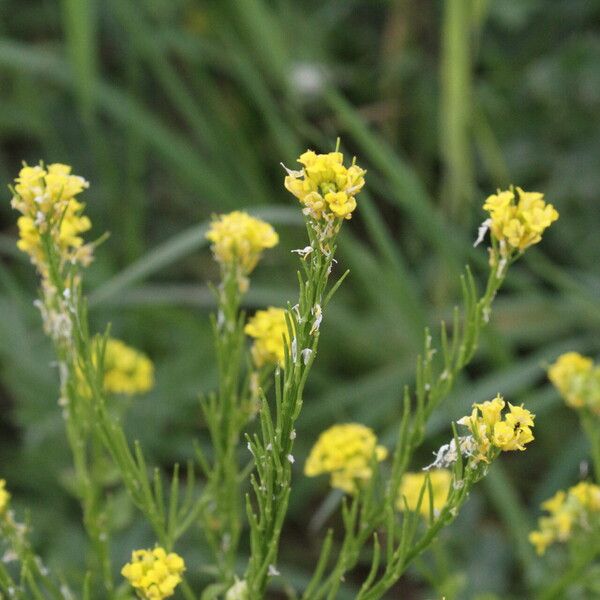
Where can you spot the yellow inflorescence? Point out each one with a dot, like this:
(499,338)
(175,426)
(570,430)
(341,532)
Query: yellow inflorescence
(4,496)
(154,573)
(325,187)
(239,239)
(577,379)
(569,513)
(345,452)
(412,483)
(518,218)
(491,430)
(269,330)
(126,370)
(45,197)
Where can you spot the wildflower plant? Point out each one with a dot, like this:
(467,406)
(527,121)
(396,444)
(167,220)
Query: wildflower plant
(263,364)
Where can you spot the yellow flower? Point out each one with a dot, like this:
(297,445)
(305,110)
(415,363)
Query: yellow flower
(345,452)
(577,379)
(325,187)
(518,218)
(412,484)
(126,370)
(493,432)
(569,513)
(491,410)
(4,496)
(541,540)
(239,239)
(46,200)
(154,573)
(270,333)
(587,494)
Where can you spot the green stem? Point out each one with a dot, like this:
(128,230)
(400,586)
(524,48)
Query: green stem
(555,591)
(590,424)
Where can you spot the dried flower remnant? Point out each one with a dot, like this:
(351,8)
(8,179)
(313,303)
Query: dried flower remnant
(345,452)
(238,591)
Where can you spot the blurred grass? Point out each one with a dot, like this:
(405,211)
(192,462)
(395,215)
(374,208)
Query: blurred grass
(176,110)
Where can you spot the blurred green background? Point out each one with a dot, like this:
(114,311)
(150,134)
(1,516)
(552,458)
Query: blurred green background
(175,109)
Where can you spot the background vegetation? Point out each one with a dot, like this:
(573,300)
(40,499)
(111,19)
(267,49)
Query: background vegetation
(176,109)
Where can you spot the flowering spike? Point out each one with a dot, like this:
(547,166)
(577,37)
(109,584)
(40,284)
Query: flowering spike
(46,199)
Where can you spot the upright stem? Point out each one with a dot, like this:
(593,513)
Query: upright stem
(78,415)
(590,423)
(229,346)
(273,449)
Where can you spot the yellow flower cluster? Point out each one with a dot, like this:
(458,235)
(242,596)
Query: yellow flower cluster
(269,330)
(325,187)
(126,370)
(239,239)
(154,573)
(518,218)
(569,512)
(4,496)
(577,379)
(492,432)
(412,484)
(45,197)
(345,452)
